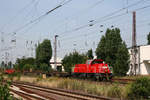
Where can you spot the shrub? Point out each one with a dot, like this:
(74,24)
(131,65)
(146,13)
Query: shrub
(45,68)
(27,67)
(140,88)
(4,90)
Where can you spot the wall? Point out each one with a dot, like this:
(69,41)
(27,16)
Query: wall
(142,61)
(145,60)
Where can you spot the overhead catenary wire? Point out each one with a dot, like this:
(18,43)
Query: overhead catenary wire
(36,22)
(88,24)
(18,13)
(80,13)
(41,17)
(89,33)
(108,17)
(138,9)
(76,29)
(32,12)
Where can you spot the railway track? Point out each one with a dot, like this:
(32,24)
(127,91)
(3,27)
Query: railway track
(114,80)
(122,81)
(126,80)
(26,96)
(60,92)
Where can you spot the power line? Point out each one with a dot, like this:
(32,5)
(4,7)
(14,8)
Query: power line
(18,13)
(42,16)
(81,12)
(135,10)
(81,35)
(108,17)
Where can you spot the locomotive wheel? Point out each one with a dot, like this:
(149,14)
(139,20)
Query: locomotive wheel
(100,78)
(96,77)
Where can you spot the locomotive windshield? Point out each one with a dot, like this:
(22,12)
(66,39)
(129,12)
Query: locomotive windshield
(88,62)
(97,61)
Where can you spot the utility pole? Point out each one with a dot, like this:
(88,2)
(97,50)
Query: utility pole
(2,44)
(6,58)
(134,49)
(55,52)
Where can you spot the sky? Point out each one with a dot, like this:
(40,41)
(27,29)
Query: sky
(67,22)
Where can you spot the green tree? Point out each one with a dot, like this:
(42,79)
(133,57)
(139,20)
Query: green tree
(9,64)
(43,53)
(2,64)
(20,63)
(90,54)
(121,65)
(112,49)
(44,67)
(27,67)
(148,38)
(70,60)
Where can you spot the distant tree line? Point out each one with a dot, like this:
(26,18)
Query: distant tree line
(6,65)
(40,62)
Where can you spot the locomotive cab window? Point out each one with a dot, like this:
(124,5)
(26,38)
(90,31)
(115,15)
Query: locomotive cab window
(88,62)
(97,62)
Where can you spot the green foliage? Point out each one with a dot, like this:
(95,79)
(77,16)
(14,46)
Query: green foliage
(90,54)
(113,51)
(4,90)
(43,53)
(27,67)
(148,38)
(140,88)
(24,63)
(70,60)
(2,64)
(9,64)
(6,66)
(121,65)
(44,67)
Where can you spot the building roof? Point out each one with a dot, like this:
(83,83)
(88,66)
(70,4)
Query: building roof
(58,59)
(139,46)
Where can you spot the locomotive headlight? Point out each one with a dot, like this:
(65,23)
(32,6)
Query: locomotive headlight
(104,66)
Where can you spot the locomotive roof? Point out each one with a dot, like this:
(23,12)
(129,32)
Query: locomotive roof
(97,60)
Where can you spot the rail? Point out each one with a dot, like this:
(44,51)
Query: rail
(62,92)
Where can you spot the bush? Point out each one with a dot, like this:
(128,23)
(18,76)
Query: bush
(24,63)
(45,68)
(140,88)
(4,90)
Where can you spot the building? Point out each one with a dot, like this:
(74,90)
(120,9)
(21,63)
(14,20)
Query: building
(142,60)
(59,66)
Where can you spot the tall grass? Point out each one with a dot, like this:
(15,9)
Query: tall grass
(111,90)
(101,89)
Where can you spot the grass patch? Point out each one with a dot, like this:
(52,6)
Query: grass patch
(114,90)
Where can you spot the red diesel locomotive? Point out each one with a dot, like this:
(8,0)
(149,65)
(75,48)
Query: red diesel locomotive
(96,69)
